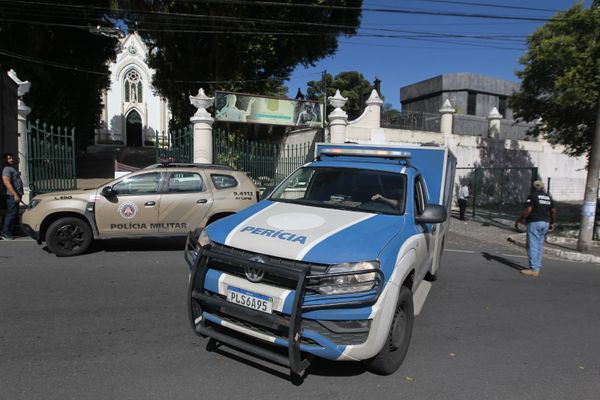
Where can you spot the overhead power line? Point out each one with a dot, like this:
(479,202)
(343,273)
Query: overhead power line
(89,8)
(490,5)
(50,63)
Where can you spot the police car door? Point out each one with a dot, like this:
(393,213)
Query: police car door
(134,208)
(185,203)
(424,243)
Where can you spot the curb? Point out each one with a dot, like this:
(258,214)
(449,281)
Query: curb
(520,240)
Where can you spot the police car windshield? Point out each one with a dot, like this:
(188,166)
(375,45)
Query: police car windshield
(345,188)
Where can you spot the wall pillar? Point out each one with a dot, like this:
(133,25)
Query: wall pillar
(22,112)
(447,112)
(202,122)
(494,118)
(338,119)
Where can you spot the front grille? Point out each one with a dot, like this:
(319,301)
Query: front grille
(270,278)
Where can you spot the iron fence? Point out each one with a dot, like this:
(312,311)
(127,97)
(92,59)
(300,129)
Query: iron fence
(266,163)
(51,158)
(502,190)
(176,146)
(412,120)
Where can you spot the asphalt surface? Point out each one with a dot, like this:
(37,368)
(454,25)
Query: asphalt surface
(112,324)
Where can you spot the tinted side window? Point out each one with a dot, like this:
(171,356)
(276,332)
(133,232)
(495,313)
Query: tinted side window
(223,181)
(139,184)
(185,182)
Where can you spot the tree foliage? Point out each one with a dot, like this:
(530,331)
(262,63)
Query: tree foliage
(234,45)
(561,79)
(65,63)
(241,46)
(351,85)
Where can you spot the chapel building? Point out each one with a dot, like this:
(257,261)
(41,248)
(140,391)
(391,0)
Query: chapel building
(132,114)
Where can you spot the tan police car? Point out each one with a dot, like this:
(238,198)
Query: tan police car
(159,200)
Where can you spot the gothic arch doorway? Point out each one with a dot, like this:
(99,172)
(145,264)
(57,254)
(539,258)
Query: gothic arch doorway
(133,127)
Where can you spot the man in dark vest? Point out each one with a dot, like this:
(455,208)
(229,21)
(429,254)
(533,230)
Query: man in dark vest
(540,216)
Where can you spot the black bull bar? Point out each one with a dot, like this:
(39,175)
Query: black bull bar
(199,299)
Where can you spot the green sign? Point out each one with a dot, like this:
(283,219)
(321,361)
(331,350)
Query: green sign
(237,107)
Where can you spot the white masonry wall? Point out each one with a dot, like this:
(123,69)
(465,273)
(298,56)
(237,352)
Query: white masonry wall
(567,174)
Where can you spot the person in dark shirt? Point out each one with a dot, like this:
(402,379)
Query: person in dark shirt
(540,216)
(13,192)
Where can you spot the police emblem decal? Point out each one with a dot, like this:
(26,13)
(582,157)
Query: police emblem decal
(254,274)
(128,210)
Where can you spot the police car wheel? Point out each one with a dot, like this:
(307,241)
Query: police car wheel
(395,348)
(68,237)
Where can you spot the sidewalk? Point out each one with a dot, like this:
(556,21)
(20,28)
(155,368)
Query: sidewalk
(494,229)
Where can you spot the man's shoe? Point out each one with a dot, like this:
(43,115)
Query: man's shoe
(530,272)
(6,237)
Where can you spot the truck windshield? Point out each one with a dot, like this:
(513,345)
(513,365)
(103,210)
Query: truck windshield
(345,188)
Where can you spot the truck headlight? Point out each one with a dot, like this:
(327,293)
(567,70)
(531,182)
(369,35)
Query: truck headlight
(348,282)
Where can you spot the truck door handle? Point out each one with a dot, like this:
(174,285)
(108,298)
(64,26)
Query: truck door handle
(150,203)
(202,201)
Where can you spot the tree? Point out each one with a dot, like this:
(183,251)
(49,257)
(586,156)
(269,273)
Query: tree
(561,79)
(351,85)
(561,85)
(389,113)
(66,64)
(236,45)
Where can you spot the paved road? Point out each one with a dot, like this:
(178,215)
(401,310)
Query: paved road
(112,325)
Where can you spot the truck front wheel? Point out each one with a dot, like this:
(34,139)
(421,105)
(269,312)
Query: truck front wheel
(395,347)
(68,236)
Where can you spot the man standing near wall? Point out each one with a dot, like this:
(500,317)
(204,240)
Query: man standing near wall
(540,216)
(13,192)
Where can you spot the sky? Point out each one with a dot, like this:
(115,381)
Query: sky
(437,42)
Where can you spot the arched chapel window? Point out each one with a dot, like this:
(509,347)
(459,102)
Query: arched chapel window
(133,87)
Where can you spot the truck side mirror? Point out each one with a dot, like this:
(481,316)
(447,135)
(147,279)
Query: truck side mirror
(433,214)
(108,192)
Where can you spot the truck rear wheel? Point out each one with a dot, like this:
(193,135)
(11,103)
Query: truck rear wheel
(68,236)
(395,347)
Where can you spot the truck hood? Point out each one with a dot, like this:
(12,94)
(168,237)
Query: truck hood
(311,234)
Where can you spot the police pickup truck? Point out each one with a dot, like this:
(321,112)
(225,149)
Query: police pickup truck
(330,262)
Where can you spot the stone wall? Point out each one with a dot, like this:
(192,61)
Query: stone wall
(566,175)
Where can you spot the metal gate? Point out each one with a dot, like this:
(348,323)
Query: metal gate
(499,189)
(51,158)
(176,146)
(266,163)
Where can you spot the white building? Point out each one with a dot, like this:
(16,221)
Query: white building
(132,114)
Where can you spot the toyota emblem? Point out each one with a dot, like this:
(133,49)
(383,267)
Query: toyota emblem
(255,274)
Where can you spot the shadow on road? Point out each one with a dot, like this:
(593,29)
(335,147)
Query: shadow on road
(319,366)
(139,244)
(505,261)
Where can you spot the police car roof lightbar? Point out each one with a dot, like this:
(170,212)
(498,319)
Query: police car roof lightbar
(338,151)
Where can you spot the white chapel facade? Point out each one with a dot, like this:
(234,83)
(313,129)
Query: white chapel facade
(132,114)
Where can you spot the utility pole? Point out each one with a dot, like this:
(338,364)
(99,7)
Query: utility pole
(323,75)
(588,211)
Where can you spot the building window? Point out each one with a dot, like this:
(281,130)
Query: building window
(502,106)
(472,103)
(133,87)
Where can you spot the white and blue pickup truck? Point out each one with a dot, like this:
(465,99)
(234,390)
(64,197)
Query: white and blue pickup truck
(331,263)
